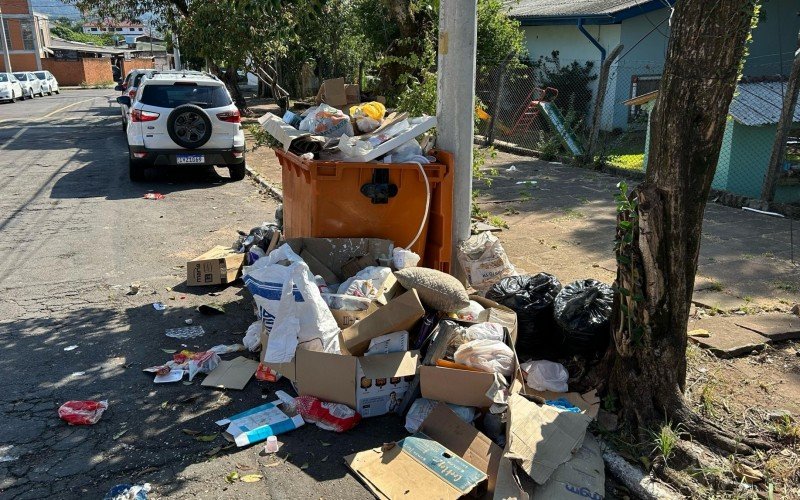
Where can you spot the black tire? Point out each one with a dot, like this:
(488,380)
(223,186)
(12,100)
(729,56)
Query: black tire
(189,126)
(136,169)
(58,91)
(124,126)
(237,172)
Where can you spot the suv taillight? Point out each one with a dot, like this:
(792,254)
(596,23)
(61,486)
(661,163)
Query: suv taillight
(137,115)
(131,93)
(230,116)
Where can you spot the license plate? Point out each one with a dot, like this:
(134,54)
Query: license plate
(184,159)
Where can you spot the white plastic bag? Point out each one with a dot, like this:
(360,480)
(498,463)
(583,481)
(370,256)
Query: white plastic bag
(486,355)
(479,331)
(402,258)
(252,339)
(471,312)
(290,305)
(421,408)
(367,283)
(327,121)
(546,375)
(484,260)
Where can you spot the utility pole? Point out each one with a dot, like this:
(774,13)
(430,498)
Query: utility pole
(176,53)
(455,108)
(6,53)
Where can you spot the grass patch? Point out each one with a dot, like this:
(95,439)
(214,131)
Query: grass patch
(628,161)
(785,286)
(708,398)
(786,429)
(665,439)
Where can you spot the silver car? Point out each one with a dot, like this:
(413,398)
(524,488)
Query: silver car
(31,86)
(49,82)
(10,89)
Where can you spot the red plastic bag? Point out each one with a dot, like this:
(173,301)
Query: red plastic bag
(329,416)
(266,374)
(82,412)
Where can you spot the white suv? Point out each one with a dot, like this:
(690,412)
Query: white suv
(184,119)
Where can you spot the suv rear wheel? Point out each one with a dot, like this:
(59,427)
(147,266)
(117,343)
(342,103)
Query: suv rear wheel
(189,126)
(136,169)
(236,171)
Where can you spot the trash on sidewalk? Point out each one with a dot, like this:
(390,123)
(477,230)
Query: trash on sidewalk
(327,416)
(233,374)
(421,408)
(272,445)
(184,332)
(583,310)
(133,289)
(173,375)
(71,348)
(218,266)
(544,375)
(159,306)
(542,438)
(82,412)
(153,196)
(257,424)
(128,492)
(484,260)
(252,338)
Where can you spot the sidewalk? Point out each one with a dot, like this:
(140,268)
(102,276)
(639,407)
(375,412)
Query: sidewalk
(561,220)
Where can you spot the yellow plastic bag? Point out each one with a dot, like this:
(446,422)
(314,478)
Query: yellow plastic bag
(368,116)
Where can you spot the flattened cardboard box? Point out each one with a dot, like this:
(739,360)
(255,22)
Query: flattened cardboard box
(233,374)
(220,265)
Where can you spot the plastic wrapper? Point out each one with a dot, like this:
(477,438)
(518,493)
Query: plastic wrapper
(421,408)
(486,355)
(255,243)
(266,374)
(471,312)
(484,260)
(355,147)
(408,152)
(329,416)
(203,362)
(583,310)
(252,339)
(82,412)
(367,283)
(368,116)
(478,331)
(402,258)
(346,302)
(128,492)
(532,298)
(543,375)
(326,121)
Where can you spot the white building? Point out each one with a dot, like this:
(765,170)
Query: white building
(130,31)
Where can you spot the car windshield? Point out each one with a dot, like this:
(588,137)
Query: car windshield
(171,96)
(4,77)
(21,76)
(41,75)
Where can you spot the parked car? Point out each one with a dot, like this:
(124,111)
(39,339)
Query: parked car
(128,87)
(10,89)
(31,86)
(49,82)
(183,118)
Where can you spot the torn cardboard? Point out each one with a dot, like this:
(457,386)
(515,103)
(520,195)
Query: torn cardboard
(332,92)
(220,265)
(233,374)
(257,424)
(280,130)
(327,256)
(588,402)
(583,476)
(400,313)
(416,467)
(541,437)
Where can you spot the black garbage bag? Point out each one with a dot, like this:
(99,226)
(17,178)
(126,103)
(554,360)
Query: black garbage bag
(583,311)
(532,298)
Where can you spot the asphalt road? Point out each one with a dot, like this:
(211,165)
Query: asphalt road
(74,234)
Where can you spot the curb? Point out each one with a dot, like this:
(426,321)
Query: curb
(273,191)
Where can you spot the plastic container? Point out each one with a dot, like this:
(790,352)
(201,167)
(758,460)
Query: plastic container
(325,199)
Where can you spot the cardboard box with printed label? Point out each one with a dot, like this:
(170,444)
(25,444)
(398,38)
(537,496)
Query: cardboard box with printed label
(219,266)
(465,387)
(372,385)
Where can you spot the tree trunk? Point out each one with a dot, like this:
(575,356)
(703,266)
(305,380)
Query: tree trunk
(410,28)
(658,235)
(231,81)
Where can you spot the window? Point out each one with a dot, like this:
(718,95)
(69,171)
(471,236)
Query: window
(27,34)
(171,96)
(95,29)
(640,85)
(119,29)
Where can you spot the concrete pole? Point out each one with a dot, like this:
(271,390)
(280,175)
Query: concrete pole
(6,53)
(176,52)
(455,107)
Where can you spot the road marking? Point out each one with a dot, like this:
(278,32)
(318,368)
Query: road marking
(13,138)
(48,115)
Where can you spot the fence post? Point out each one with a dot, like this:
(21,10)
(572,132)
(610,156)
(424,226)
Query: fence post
(784,124)
(496,100)
(602,84)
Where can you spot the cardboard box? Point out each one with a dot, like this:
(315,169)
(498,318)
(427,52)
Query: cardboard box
(220,265)
(233,374)
(464,387)
(329,257)
(352,93)
(332,92)
(372,385)
(583,476)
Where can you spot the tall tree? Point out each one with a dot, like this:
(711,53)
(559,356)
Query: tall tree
(658,234)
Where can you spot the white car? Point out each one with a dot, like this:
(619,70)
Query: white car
(49,82)
(31,86)
(183,119)
(128,87)
(10,89)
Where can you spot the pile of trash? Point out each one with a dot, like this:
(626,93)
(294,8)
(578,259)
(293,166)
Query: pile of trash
(336,130)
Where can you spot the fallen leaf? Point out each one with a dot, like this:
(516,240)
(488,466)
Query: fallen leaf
(148,470)
(169,351)
(243,467)
(164,404)
(186,382)
(699,333)
(273,464)
(206,437)
(251,478)
(747,473)
(324,459)
(213,451)
(232,477)
(190,432)
(188,399)
(120,434)
(323,443)
(304,466)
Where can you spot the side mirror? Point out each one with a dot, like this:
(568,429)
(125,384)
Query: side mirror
(119,88)
(125,100)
